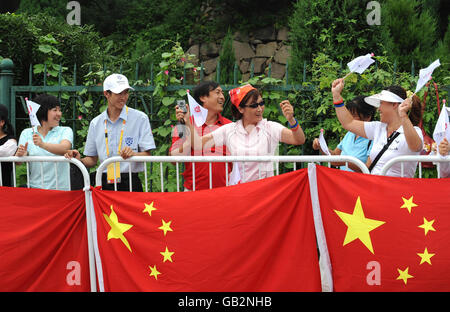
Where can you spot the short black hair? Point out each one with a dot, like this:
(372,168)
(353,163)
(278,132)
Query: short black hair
(8,129)
(203,89)
(361,108)
(47,103)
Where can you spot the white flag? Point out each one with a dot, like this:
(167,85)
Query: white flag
(425,75)
(235,176)
(323,143)
(197,111)
(32,109)
(442,128)
(361,63)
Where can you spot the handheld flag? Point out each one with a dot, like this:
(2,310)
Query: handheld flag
(425,75)
(32,109)
(442,129)
(235,176)
(197,111)
(323,143)
(360,64)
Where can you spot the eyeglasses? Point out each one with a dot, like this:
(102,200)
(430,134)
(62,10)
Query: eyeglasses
(255,105)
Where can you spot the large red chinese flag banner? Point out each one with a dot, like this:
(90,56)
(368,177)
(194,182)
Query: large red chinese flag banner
(43,241)
(257,236)
(385,233)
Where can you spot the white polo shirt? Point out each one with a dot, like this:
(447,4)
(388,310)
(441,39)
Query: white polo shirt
(137,135)
(377,131)
(261,141)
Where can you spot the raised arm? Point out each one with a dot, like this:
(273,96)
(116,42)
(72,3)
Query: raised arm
(413,140)
(295,134)
(344,116)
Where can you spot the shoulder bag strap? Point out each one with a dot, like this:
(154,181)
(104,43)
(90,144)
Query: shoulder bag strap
(384,149)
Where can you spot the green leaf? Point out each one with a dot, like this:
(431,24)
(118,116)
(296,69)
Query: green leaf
(166,55)
(166,101)
(182,92)
(45,48)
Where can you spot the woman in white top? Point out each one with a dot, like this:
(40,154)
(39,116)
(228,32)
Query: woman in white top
(394,118)
(251,135)
(8,145)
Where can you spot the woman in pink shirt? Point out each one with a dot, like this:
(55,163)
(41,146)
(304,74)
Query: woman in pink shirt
(251,135)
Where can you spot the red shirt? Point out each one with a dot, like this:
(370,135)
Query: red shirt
(202,169)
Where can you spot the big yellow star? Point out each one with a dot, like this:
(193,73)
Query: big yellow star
(167,255)
(425,256)
(427,226)
(358,226)
(404,275)
(154,272)
(117,228)
(149,209)
(165,227)
(408,203)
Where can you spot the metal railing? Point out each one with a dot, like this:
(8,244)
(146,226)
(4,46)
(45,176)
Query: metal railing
(87,196)
(437,160)
(220,159)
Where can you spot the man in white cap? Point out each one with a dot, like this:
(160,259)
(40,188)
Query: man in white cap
(119,130)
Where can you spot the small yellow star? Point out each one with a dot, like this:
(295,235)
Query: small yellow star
(425,256)
(404,275)
(427,225)
(165,227)
(408,203)
(167,255)
(154,272)
(149,209)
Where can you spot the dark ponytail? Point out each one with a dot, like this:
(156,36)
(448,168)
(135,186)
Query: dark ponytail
(7,127)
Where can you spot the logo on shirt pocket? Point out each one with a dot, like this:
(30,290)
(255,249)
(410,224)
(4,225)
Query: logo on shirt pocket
(129,141)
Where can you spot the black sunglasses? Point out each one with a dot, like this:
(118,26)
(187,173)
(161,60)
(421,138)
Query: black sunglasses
(255,105)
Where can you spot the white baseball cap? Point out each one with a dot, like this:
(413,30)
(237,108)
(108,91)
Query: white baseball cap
(384,95)
(116,83)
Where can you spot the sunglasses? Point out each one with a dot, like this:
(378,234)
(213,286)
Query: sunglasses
(255,105)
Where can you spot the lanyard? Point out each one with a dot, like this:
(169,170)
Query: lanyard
(121,136)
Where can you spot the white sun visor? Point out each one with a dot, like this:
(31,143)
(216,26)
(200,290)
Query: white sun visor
(384,95)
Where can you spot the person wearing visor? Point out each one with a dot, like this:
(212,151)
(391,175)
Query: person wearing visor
(396,133)
(251,134)
(119,130)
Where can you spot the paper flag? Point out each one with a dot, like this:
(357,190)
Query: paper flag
(323,143)
(425,75)
(442,129)
(361,63)
(32,109)
(235,176)
(197,111)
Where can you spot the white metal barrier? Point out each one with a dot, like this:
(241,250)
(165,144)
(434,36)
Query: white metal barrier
(222,159)
(87,196)
(437,160)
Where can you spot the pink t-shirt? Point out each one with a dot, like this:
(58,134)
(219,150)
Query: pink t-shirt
(262,140)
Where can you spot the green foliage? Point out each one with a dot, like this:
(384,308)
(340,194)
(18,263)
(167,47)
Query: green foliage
(227,60)
(30,39)
(408,33)
(336,28)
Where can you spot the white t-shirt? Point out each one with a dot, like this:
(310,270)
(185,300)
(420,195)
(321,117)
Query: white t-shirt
(261,141)
(377,131)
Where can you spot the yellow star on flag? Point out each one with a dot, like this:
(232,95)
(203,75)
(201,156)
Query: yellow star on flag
(404,275)
(165,227)
(154,272)
(358,226)
(425,256)
(167,255)
(427,226)
(408,203)
(149,208)
(117,228)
